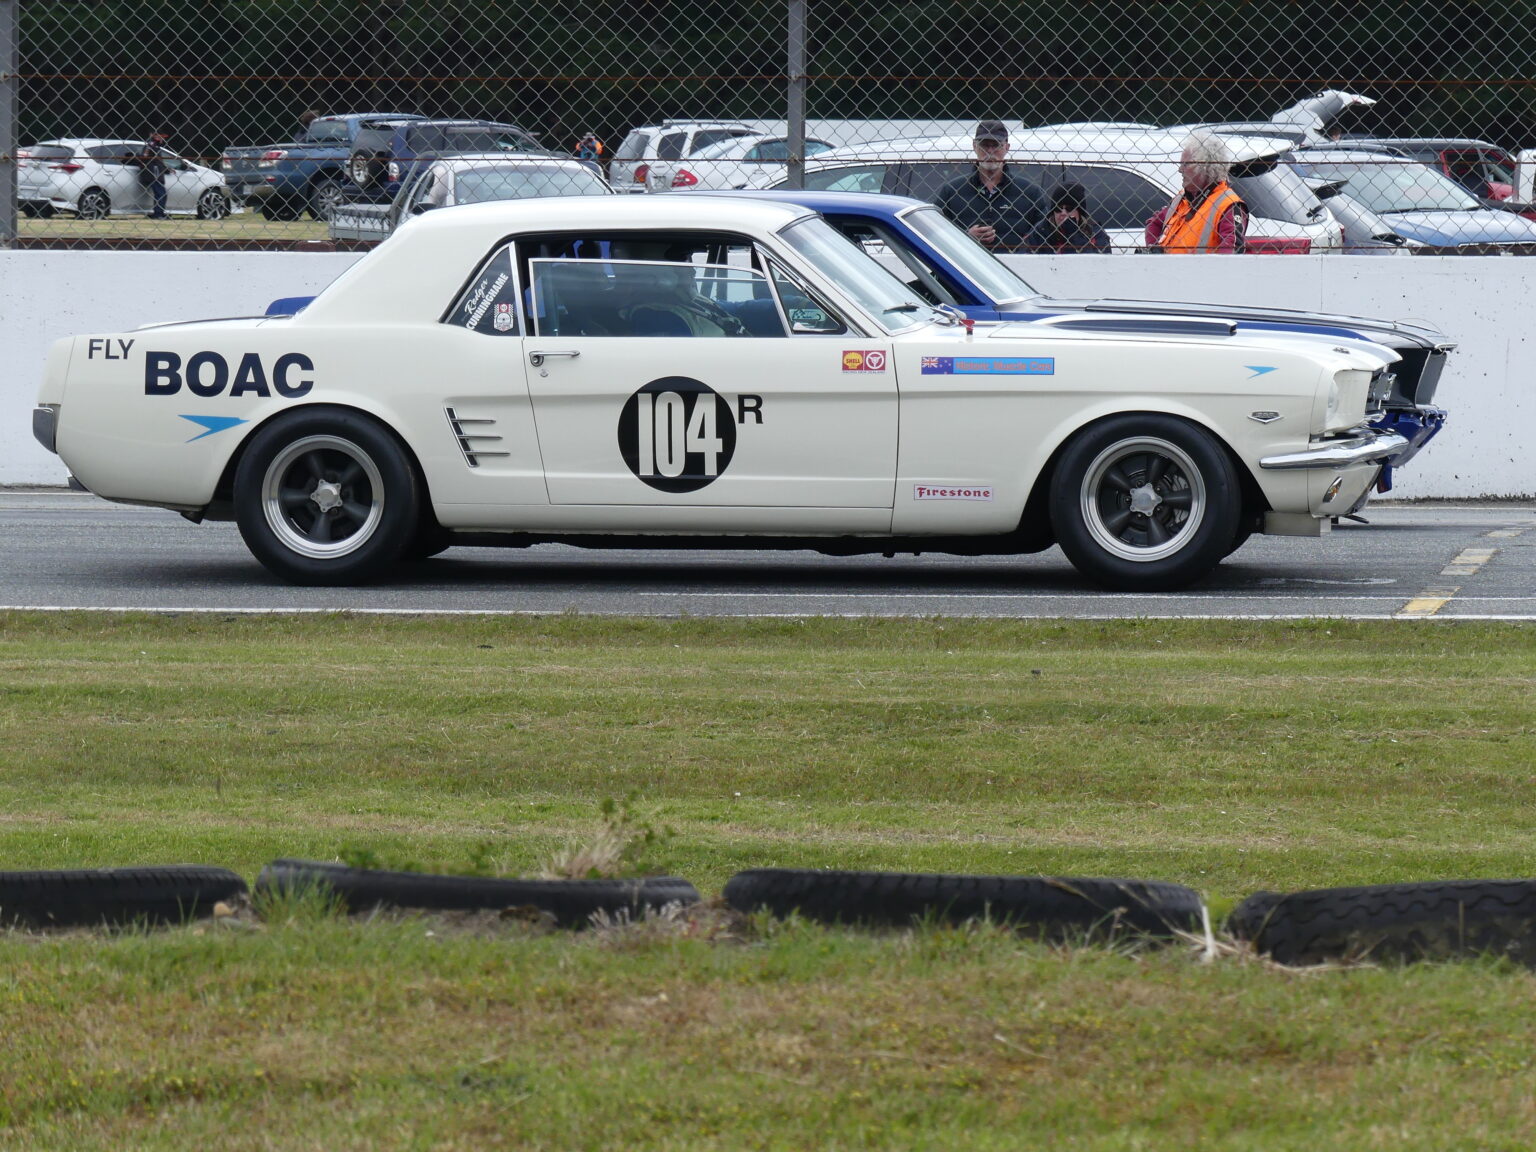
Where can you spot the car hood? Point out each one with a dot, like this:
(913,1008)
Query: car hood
(1473,226)
(1393,333)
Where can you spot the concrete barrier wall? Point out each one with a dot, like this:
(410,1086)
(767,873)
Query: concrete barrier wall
(1489,387)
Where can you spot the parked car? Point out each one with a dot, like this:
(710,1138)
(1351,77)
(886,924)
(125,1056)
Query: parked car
(629,170)
(95,178)
(1129,172)
(940,263)
(383,155)
(471,179)
(1485,170)
(702,371)
(733,163)
(1435,214)
(308,174)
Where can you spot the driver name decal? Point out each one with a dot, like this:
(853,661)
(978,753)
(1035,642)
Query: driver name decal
(989,366)
(678,434)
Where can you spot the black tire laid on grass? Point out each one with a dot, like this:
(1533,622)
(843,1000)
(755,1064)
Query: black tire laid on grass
(91,896)
(1049,906)
(570,902)
(1423,921)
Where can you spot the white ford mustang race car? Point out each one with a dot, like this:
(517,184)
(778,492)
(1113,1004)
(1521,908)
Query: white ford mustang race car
(671,371)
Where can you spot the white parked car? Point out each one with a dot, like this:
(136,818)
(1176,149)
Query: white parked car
(94,179)
(692,370)
(739,162)
(630,168)
(467,179)
(1129,172)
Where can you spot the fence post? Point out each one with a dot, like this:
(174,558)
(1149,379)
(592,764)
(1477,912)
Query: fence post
(10,82)
(795,130)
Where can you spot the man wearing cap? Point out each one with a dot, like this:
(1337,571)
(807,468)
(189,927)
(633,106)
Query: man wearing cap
(151,167)
(996,208)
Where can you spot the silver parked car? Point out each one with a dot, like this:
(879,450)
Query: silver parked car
(468,179)
(95,178)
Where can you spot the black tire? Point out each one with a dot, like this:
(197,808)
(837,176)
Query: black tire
(326,496)
(1402,922)
(324,194)
(213,205)
(572,903)
(29,210)
(431,538)
(366,170)
(93,204)
(1048,906)
(90,896)
(1145,502)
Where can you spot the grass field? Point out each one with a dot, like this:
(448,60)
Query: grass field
(1226,756)
(248,225)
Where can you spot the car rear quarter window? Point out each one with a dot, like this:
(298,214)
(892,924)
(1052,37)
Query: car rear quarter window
(706,137)
(489,304)
(925,181)
(633,147)
(670,146)
(49,151)
(113,153)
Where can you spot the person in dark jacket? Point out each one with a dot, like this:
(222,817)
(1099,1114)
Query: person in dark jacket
(151,167)
(1067,227)
(994,206)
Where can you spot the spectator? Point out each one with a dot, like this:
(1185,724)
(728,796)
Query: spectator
(1208,216)
(306,118)
(994,207)
(151,166)
(1067,227)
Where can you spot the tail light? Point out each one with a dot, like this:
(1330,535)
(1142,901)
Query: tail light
(394,172)
(23,154)
(684,179)
(1278,245)
(270,158)
(641,173)
(68,166)
(226,163)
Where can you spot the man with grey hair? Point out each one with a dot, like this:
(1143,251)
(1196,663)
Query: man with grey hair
(1208,216)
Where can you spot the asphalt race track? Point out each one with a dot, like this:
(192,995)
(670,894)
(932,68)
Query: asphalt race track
(1438,561)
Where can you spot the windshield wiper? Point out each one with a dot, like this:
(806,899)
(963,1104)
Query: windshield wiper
(904,308)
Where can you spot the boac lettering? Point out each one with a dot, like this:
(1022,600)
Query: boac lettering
(208,374)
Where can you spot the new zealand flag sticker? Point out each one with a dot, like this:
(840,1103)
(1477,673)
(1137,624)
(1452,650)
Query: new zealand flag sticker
(989,366)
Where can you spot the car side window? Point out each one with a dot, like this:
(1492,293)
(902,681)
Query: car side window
(808,314)
(648,298)
(670,146)
(866,178)
(489,304)
(706,137)
(1117,198)
(925,181)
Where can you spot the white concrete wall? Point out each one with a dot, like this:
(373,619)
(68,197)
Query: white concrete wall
(1489,387)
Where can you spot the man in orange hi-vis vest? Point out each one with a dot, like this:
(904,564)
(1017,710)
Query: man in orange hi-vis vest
(1208,216)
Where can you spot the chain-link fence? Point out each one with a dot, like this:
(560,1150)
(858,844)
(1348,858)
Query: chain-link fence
(1373,127)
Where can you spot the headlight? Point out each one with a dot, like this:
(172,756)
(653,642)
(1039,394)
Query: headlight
(1347,396)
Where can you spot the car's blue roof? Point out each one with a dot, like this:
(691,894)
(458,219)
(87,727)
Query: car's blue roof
(864,203)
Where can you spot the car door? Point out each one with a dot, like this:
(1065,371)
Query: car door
(183,183)
(116,174)
(783,417)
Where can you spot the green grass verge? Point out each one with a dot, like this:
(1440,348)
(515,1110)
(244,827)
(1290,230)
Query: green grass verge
(1227,756)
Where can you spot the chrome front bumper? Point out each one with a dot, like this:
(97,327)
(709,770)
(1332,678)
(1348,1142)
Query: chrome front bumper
(1362,446)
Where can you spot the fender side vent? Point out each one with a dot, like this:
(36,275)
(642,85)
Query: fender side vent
(466,431)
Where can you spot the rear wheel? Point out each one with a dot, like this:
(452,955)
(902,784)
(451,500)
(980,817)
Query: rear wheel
(324,194)
(94,204)
(1145,502)
(326,496)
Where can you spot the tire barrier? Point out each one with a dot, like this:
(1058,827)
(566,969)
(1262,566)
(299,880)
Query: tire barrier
(572,903)
(83,897)
(1424,921)
(1047,906)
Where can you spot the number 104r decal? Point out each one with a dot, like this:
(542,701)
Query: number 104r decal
(678,434)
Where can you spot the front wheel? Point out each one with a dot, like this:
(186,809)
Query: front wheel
(1145,503)
(212,205)
(324,195)
(326,496)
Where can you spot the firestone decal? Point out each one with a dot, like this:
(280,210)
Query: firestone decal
(952,492)
(678,434)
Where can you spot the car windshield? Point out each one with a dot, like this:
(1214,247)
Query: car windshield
(984,270)
(1389,185)
(842,262)
(525,182)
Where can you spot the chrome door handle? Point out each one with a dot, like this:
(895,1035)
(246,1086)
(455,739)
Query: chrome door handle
(537,358)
